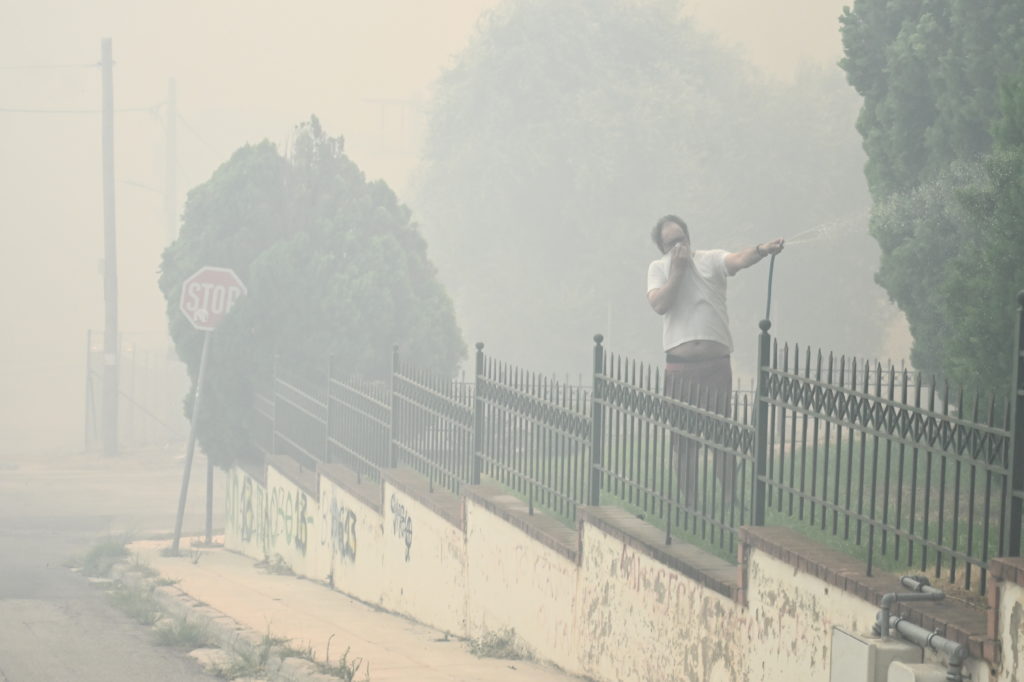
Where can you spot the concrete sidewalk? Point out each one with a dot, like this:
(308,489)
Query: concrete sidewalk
(311,614)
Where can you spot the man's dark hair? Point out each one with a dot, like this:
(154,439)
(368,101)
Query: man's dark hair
(656,232)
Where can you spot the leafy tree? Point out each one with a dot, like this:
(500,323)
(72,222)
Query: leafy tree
(929,72)
(943,124)
(565,130)
(333,266)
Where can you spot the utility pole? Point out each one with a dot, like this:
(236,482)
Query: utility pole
(110,335)
(171,161)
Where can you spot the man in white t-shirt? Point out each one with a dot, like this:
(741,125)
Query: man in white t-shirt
(687,288)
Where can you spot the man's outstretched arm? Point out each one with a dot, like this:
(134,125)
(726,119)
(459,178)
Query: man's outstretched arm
(734,262)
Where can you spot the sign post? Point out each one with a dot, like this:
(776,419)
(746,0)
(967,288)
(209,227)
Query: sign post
(206,299)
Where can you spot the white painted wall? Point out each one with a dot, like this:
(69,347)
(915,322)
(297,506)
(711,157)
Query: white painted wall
(791,617)
(424,563)
(639,620)
(517,582)
(245,517)
(351,537)
(1011,631)
(291,531)
(619,615)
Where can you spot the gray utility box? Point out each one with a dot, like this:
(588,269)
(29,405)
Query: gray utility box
(916,672)
(866,658)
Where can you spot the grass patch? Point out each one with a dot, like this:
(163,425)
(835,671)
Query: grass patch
(290,651)
(101,557)
(137,602)
(140,566)
(500,644)
(181,633)
(344,669)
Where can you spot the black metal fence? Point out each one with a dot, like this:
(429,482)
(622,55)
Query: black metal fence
(874,459)
(914,474)
(534,435)
(683,460)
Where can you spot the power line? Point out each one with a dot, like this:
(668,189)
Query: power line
(16,67)
(5,110)
(49,111)
(188,127)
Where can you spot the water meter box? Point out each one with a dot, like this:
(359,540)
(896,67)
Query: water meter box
(865,658)
(916,672)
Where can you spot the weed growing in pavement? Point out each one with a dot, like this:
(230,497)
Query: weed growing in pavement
(101,557)
(500,644)
(140,566)
(344,669)
(182,633)
(136,601)
(277,566)
(291,651)
(249,661)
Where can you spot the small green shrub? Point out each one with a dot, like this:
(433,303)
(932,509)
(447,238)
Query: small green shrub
(102,556)
(137,602)
(500,644)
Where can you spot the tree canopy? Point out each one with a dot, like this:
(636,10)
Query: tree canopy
(943,126)
(565,130)
(334,268)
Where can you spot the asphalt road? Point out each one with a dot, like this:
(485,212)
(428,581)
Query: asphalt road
(55,625)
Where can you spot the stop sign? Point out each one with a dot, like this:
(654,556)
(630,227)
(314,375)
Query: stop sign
(209,295)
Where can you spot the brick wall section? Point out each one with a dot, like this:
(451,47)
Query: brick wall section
(539,526)
(1010,570)
(370,493)
(954,619)
(307,479)
(693,562)
(1001,570)
(442,502)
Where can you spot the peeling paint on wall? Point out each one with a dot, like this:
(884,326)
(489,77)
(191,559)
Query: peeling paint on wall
(641,620)
(619,614)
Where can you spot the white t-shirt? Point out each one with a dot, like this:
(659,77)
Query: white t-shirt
(698,312)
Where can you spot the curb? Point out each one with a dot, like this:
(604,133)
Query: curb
(224,631)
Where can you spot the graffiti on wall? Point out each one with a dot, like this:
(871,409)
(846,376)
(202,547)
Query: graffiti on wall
(401,524)
(246,510)
(290,518)
(338,529)
(255,516)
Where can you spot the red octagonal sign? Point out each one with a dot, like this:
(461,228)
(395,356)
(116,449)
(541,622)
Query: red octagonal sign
(209,295)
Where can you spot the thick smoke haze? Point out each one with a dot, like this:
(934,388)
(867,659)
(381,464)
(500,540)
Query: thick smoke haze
(245,71)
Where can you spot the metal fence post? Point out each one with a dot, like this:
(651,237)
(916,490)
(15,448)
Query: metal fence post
(597,424)
(478,415)
(327,408)
(393,430)
(761,426)
(1014,507)
(273,393)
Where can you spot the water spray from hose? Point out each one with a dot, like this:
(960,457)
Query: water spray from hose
(821,231)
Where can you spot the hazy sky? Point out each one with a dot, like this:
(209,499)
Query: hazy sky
(245,70)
